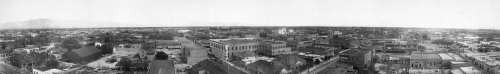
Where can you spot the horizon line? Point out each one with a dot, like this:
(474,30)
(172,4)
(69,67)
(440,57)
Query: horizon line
(117,27)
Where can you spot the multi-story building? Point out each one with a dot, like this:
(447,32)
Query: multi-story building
(273,48)
(428,71)
(489,62)
(357,57)
(418,63)
(239,47)
(425,61)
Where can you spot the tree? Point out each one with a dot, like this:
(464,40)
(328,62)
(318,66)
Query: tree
(42,39)
(443,42)
(341,42)
(161,56)
(52,63)
(162,35)
(148,46)
(32,59)
(124,64)
(109,42)
(71,44)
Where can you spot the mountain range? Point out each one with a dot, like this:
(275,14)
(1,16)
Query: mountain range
(43,23)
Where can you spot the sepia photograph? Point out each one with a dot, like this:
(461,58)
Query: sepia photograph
(249,36)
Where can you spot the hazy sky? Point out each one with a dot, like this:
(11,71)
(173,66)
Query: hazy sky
(406,13)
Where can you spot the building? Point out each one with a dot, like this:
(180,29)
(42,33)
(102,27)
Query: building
(304,43)
(46,71)
(213,67)
(466,70)
(428,71)
(488,62)
(451,57)
(127,49)
(322,40)
(436,35)
(425,61)
(357,57)
(394,59)
(168,44)
(172,47)
(273,48)
(233,47)
(334,33)
(339,69)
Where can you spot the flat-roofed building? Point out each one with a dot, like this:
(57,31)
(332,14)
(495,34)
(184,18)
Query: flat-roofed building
(470,70)
(239,47)
(168,44)
(425,61)
(428,71)
(273,48)
(450,57)
(488,62)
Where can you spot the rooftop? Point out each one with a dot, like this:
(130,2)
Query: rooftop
(337,69)
(235,40)
(445,56)
(274,42)
(213,67)
(470,70)
(425,57)
(167,42)
(489,59)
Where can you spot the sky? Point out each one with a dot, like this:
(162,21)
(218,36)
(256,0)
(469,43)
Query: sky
(164,13)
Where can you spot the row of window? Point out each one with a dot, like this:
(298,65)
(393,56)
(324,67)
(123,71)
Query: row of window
(243,47)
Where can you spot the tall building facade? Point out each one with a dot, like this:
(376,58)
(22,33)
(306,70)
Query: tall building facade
(240,47)
(273,48)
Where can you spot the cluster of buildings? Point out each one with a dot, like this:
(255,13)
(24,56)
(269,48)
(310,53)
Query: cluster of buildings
(488,62)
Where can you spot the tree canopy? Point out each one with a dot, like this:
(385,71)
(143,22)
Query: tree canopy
(443,42)
(71,44)
(161,56)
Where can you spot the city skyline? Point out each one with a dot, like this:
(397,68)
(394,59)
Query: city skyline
(166,13)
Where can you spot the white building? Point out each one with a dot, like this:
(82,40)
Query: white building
(48,71)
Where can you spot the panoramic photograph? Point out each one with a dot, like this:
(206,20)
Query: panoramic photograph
(249,36)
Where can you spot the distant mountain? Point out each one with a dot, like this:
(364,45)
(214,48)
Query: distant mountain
(29,24)
(48,23)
